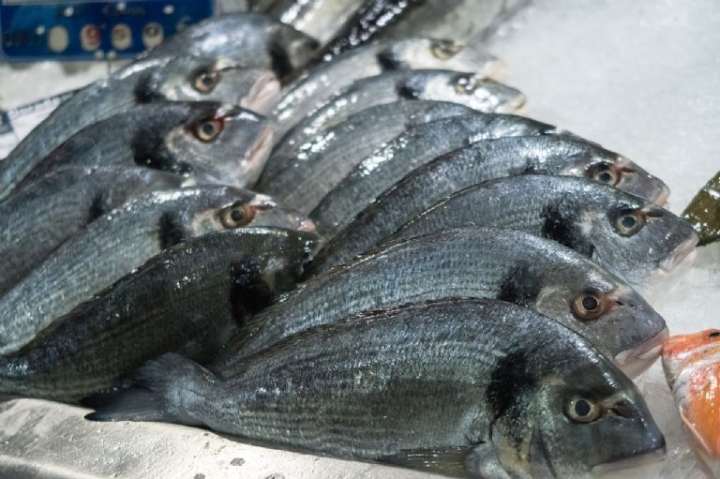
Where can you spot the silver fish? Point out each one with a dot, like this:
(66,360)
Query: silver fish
(627,235)
(321,19)
(465,388)
(175,79)
(206,142)
(122,241)
(304,178)
(473,262)
(315,88)
(186,300)
(410,150)
(466,89)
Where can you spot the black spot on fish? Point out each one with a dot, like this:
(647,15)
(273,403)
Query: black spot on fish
(170,230)
(149,150)
(97,207)
(520,286)
(280,61)
(407,91)
(389,61)
(249,292)
(144,91)
(564,227)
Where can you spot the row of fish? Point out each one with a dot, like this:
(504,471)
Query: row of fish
(423,278)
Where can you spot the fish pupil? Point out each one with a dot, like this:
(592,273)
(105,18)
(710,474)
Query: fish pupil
(605,177)
(208,129)
(628,222)
(582,408)
(589,303)
(236,216)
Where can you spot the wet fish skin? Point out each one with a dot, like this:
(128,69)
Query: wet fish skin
(321,82)
(35,220)
(627,235)
(124,240)
(469,262)
(304,178)
(410,150)
(142,82)
(483,95)
(457,387)
(253,40)
(187,300)
(321,19)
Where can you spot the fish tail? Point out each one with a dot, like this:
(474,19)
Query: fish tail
(166,389)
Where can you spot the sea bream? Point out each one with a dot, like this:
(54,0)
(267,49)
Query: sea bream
(472,262)
(321,82)
(464,388)
(189,300)
(175,79)
(205,142)
(627,235)
(37,219)
(123,240)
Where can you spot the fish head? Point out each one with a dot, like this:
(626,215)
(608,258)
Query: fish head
(601,307)
(227,145)
(466,89)
(684,351)
(207,79)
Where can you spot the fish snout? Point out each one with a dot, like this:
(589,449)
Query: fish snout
(307,226)
(653,450)
(638,359)
(683,254)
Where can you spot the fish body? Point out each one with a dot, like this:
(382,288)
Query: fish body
(37,219)
(692,368)
(305,177)
(321,19)
(472,262)
(206,142)
(627,235)
(483,95)
(456,387)
(412,149)
(187,300)
(322,82)
(123,240)
(174,79)
(703,212)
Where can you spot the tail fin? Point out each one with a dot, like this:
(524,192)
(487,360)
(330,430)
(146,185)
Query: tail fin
(165,389)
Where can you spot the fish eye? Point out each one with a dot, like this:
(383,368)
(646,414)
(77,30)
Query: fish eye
(237,216)
(714,334)
(445,49)
(206,131)
(206,80)
(605,174)
(465,84)
(629,222)
(588,306)
(582,410)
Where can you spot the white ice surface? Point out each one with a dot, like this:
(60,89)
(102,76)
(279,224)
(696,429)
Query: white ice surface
(641,77)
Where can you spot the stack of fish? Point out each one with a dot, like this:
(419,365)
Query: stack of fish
(452,284)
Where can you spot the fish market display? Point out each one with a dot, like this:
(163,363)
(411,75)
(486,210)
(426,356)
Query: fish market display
(60,205)
(703,212)
(481,161)
(122,241)
(474,262)
(224,276)
(206,142)
(467,388)
(692,367)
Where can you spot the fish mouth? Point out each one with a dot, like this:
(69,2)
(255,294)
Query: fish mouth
(513,105)
(263,95)
(653,455)
(684,253)
(259,150)
(661,198)
(307,226)
(637,360)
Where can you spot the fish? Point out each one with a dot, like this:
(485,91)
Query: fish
(252,40)
(173,79)
(483,95)
(464,167)
(627,235)
(489,263)
(322,82)
(461,387)
(703,212)
(320,19)
(188,300)
(412,149)
(304,178)
(36,220)
(123,240)
(205,142)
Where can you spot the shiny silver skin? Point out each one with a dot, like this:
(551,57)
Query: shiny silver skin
(471,262)
(627,235)
(305,177)
(319,84)
(161,79)
(465,388)
(123,240)
(252,40)
(37,219)
(170,136)
(187,300)
(482,95)
(321,19)
(412,149)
